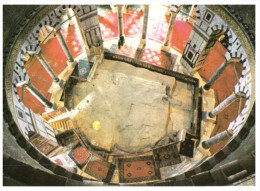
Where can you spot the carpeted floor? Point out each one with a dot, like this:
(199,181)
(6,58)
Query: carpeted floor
(100,169)
(166,155)
(223,87)
(157,57)
(138,169)
(56,58)
(80,155)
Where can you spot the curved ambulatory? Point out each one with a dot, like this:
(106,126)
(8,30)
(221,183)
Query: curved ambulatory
(130,93)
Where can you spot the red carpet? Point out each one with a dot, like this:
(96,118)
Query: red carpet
(166,155)
(108,25)
(223,87)
(30,101)
(157,28)
(180,35)
(80,155)
(126,50)
(100,169)
(156,57)
(73,40)
(133,23)
(54,55)
(137,169)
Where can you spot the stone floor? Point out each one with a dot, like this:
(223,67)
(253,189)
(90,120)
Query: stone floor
(130,104)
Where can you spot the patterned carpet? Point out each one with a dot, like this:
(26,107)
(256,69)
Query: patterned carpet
(137,169)
(80,155)
(100,169)
(126,50)
(92,164)
(82,69)
(73,40)
(158,58)
(166,155)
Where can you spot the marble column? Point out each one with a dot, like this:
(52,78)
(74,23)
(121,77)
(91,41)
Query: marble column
(223,105)
(47,67)
(142,42)
(36,93)
(216,75)
(191,19)
(170,27)
(121,39)
(225,135)
(64,46)
(237,176)
(191,10)
(113,8)
(145,21)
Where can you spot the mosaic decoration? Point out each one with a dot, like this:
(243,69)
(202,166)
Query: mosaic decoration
(100,169)
(208,17)
(187,148)
(166,156)
(137,169)
(20,114)
(82,69)
(80,155)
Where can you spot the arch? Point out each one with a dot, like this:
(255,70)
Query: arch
(194,14)
(219,33)
(46,33)
(176,8)
(217,30)
(40,157)
(51,20)
(197,11)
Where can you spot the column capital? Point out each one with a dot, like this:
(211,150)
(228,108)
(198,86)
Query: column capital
(23,83)
(119,6)
(240,90)
(145,6)
(175,8)
(38,51)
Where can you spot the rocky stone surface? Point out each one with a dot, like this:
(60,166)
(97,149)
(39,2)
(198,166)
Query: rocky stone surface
(128,102)
(181,110)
